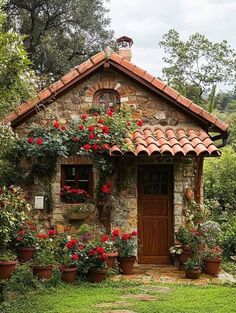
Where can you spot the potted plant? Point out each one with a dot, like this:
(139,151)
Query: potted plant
(80,211)
(193,268)
(25,241)
(44,256)
(8,263)
(183,235)
(13,210)
(73,195)
(110,249)
(212,259)
(97,265)
(176,250)
(126,245)
(69,263)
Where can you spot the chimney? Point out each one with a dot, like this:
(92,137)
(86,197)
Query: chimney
(124,44)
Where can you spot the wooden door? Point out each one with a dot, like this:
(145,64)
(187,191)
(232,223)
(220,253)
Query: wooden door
(155,213)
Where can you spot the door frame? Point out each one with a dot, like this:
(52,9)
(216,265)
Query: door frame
(171,204)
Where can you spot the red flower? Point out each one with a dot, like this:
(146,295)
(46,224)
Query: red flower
(63,127)
(52,232)
(91,136)
(19,238)
(81,127)
(116,232)
(129,124)
(105,146)
(70,245)
(87,146)
(39,141)
(32,227)
(81,246)
(21,233)
(106,188)
(66,187)
(95,147)
(110,113)
(30,140)
(75,139)
(125,237)
(102,257)
(140,123)
(105,129)
(42,236)
(104,238)
(75,257)
(92,252)
(100,250)
(100,121)
(84,116)
(56,124)
(134,233)
(91,128)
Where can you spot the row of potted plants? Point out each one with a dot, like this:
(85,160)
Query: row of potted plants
(198,248)
(91,257)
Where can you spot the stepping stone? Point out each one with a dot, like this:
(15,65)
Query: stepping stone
(156,289)
(141,297)
(112,304)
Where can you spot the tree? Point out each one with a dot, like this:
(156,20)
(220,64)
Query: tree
(15,75)
(59,33)
(197,66)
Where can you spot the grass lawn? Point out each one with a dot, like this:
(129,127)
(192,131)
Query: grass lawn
(87,298)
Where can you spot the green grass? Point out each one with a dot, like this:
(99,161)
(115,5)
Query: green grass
(83,298)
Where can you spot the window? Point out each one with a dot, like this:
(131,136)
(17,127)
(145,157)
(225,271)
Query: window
(78,177)
(107,98)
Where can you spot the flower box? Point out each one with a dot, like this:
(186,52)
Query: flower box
(77,215)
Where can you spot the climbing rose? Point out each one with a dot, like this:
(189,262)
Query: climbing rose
(30,140)
(56,124)
(75,139)
(75,257)
(104,238)
(39,141)
(140,123)
(87,146)
(91,128)
(116,232)
(100,250)
(84,116)
(91,136)
(105,129)
(81,127)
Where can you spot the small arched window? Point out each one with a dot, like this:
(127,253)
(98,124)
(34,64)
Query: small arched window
(107,99)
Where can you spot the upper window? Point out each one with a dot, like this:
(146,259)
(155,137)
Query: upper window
(107,98)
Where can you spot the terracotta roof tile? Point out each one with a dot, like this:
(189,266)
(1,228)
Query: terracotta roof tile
(99,57)
(138,71)
(171,92)
(169,141)
(128,65)
(56,86)
(44,94)
(148,77)
(158,83)
(184,101)
(116,58)
(67,78)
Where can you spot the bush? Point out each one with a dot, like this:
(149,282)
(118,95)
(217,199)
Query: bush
(229,238)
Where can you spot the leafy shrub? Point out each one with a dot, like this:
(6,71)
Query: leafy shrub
(211,233)
(229,238)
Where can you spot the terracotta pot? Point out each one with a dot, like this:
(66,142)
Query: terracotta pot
(68,274)
(7,268)
(212,266)
(126,265)
(25,254)
(42,272)
(97,275)
(184,256)
(194,273)
(111,259)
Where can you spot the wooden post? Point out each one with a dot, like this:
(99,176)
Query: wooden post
(199,180)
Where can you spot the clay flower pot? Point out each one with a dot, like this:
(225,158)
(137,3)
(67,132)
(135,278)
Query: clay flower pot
(42,272)
(7,268)
(126,265)
(184,256)
(68,274)
(193,273)
(212,266)
(25,254)
(111,259)
(97,275)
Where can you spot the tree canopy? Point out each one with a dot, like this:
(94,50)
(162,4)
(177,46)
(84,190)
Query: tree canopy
(59,33)
(196,67)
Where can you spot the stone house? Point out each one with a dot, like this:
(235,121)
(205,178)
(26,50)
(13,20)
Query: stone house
(169,148)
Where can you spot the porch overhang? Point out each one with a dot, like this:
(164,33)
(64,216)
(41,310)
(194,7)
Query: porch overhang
(167,141)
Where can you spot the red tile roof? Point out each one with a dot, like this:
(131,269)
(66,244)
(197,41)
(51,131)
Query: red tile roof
(150,140)
(93,63)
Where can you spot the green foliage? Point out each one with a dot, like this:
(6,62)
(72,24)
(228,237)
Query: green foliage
(7,255)
(60,34)
(183,235)
(196,67)
(193,263)
(228,241)
(220,183)
(211,233)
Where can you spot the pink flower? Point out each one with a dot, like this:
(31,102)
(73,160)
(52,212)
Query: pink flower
(91,136)
(56,124)
(140,123)
(91,128)
(87,146)
(30,140)
(39,141)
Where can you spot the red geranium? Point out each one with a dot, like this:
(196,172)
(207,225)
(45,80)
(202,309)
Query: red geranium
(63,127)
(92,252)
(91,136)
(39,141)
(134,233)
(100,121)
(19,238)
(52,232)
(104,238)
(140,123)
(81,127)
(21,233)
(87,146)
(56,124)
(105,146)
(116,232)
(100,250)
(106,129)
(106,188)
(95,147)
(110,113)
(30,140)
(75,139)
(75,256)
(42,236)
(84,116)
(91,128)
(125,237)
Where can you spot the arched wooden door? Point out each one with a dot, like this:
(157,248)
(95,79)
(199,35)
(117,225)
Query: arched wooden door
(155,213)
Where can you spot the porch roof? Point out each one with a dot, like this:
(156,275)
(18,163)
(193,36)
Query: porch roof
(150,141)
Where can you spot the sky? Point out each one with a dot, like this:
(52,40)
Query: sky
(146,21)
